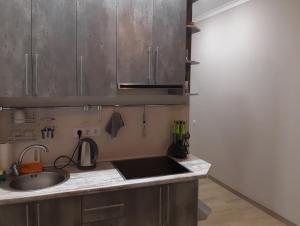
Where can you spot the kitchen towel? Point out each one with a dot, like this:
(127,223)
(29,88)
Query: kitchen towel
(114,124)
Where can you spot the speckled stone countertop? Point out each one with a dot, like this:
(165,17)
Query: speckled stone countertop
(104,178)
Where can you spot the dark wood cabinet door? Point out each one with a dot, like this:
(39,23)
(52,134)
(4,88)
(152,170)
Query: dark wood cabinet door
(134,62)
(16,215)
(144,207)
(169,41)
(15,48)
(54,47)
(58,212)
(181,204)
(96,47)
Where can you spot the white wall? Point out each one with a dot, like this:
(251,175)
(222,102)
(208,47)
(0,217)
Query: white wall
(248,110)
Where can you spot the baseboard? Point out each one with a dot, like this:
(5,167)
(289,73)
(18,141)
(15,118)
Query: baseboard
(254,203)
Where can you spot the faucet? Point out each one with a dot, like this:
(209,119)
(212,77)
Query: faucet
(17,166)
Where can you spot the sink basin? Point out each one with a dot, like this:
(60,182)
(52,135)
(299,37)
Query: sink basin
(149,167)
(37,181)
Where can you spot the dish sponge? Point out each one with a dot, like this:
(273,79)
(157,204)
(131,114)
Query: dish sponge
(31,168)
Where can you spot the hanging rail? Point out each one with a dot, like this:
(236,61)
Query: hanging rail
(88,107)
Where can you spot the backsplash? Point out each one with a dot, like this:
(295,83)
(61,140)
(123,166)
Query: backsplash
(130,142)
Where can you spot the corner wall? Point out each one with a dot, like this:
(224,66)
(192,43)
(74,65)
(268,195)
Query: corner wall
(247,114)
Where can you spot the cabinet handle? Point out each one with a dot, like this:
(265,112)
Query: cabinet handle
(157,66)
(38,214)
(26,75)
(81,75)
(168,204)
(36,73)
(149,70)
(160,207)
(27,215)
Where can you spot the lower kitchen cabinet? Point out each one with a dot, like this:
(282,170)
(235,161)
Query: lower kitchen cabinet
(134,207)
(144,207)
(166,205)
(182,204)
(58,212)
(113,222)
(16,215)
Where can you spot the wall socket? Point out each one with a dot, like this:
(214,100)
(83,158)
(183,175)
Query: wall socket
(88,132)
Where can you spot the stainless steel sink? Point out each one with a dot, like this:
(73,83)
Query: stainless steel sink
(41,180)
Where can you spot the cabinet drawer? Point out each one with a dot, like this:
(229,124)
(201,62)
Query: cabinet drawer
(103,199)
(114,222)
(102,213)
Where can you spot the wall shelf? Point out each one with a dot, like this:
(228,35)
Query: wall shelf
(193,28)
(191,62)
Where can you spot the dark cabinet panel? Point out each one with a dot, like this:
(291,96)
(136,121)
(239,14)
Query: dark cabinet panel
(103,207)
(96,47)
(144,207)
(167,205)
(169,40)
(182,204)
(151,42)
(113,222)
(59,212)
(15,48)
(54,47)
(16,215)
(134,37)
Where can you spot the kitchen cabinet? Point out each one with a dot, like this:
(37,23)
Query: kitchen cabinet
(15,48)
(113,222)
(58,212)
(102,208)
(151,42)
(181,204)
(144,207)
(168,205)
(169,41)
(96,47)
(132,207)
(88,47)
(16,215)
(134,62)
(54,47)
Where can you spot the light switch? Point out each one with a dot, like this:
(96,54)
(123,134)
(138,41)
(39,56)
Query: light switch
(194,122)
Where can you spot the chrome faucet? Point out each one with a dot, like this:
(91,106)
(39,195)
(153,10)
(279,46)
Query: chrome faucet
(16,166)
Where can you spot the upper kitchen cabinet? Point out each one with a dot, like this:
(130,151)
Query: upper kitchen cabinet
(15,48)
(134,62)
(54,47)
(151,42)
(169,41)
(96,47)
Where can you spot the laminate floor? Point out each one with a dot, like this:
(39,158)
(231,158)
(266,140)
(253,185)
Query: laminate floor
(230,210)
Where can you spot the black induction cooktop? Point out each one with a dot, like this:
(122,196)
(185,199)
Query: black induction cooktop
(149,167)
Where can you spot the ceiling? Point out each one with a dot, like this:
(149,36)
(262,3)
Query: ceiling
(203,6)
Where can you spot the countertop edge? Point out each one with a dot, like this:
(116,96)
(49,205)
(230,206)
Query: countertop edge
(116,186)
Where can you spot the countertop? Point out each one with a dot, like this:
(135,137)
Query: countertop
(102,179)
